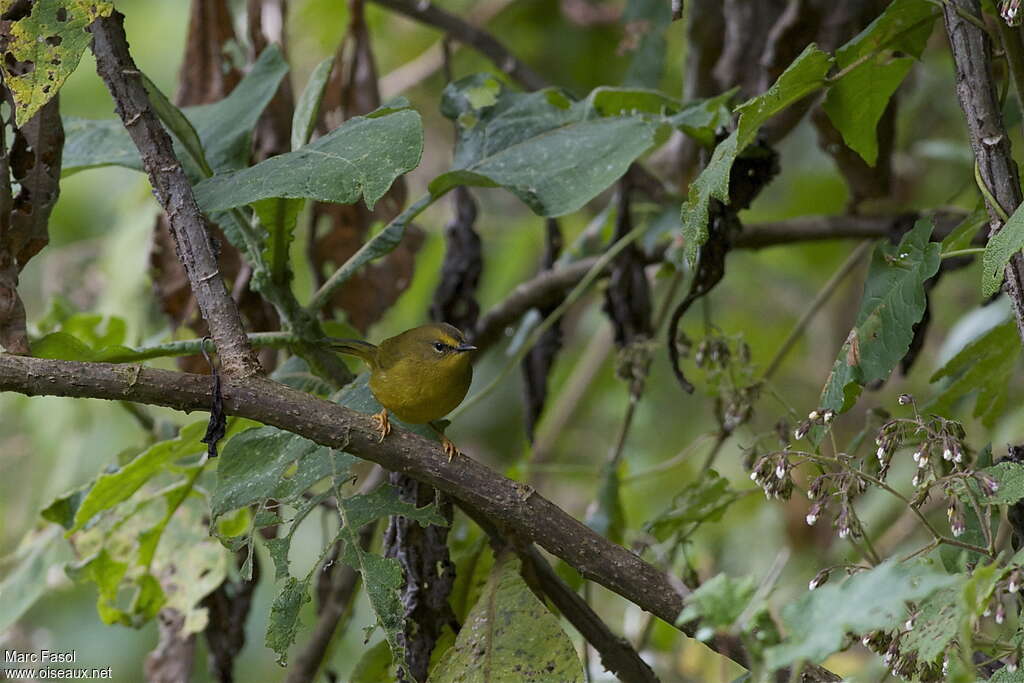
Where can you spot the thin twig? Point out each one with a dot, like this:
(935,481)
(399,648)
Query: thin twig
(819,300)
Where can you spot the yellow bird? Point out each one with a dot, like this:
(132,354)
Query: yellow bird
(419,375)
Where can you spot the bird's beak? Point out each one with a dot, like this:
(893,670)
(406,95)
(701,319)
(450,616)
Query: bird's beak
(465,347)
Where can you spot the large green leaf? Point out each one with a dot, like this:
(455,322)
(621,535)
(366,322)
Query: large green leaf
(50,42)
(937,622)
(817,623)
(224,127)
(805,75)
(360,158)
(856,102)
(1003,246)
(985,366)
(717,603)
(893,301)
(509,636)
(540,146)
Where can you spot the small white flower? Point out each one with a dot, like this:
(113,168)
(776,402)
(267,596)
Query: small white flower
(915,481)
(865,641)
(844,532)
(810,494)
(813,415)
(881,453)
(1011,667)
(1012,586)
(947,454)
(753,476)
(959,457)
(987,612)
(909,625)
(828,416)
(812,584)
(811,519)
(780,471)
(1000,617)
(916,456)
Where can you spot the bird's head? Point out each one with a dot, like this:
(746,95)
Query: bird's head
(436,344)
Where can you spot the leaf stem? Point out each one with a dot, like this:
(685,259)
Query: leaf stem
(963,252)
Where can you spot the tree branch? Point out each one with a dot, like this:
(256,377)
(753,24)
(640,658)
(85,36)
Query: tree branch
(976,90)
(174,193)
(480,40)
(549,286)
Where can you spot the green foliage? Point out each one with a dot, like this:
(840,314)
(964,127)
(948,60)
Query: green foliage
(964,233)
(224,127)
(805,75)
(25,581)
(1002,247)
(704,500)
(513,140)
(893,301)
(649,19)
(1010,478)
(818,622)
(856,101)
(938,621)
(718,604)
(360,158)
(307,108)
(51,40)
(985,366)
(509,636)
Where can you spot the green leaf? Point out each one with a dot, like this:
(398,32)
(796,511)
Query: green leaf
(178,124)
(91,143)
(284,616)
(509,636)
(805,75)
(374,666)
(856,102)
(703,500)
(51,40)
(25,582)
(700,119)
(985,365)
(963,234)
(818,622)
(308,106)
(937,622)
(118,486)
(278,217)
(1001,247)
(360,158)
(224,127)
(62,510)
(607,516)
(540,146)
(252,466)
(892,303)
(1010,477)
(106,573)
(717,603)
(608,101)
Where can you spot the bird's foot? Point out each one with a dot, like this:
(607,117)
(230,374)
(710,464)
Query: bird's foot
(382,422)
(449,448)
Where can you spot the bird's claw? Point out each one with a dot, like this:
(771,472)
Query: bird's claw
(383,423)
(449,448)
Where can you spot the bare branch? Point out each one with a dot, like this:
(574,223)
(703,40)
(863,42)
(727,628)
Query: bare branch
(174,193)
(549,286)
(976,89)
(464,32)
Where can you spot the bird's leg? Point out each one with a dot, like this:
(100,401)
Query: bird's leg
(383,423)
(446,444)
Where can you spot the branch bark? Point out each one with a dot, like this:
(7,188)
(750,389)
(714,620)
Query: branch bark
(174,193)
(979,100)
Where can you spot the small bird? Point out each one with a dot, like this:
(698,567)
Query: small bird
(419,375)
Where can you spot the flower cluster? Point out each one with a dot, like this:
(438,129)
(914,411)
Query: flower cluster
(840,489)
(772,473)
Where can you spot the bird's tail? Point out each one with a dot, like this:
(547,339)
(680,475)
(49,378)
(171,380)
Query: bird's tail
(355,347)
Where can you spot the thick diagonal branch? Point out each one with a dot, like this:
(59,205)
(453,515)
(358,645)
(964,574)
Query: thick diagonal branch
(174,193)
(979,100)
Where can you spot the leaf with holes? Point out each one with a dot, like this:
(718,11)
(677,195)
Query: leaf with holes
(45,47)
(509,636)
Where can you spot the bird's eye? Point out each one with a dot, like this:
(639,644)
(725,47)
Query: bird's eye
(439,347)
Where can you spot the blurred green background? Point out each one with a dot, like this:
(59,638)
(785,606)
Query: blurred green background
(98,257)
